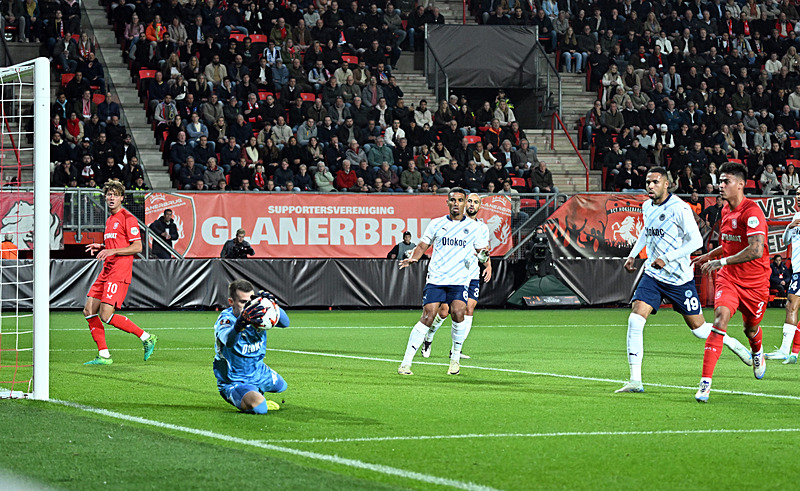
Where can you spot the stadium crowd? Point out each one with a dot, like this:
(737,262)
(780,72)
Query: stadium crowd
(686,85)
(248,97)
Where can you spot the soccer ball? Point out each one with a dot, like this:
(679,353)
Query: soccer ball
(271,314)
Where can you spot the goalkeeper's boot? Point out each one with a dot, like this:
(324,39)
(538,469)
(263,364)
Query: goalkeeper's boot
(759,364)
(405,370)
(100,361)
(631,386)
(149,345)
(703,391)
(454,368)
(743,353)
(778,354)
(272,405)
(426,349)
(791,359)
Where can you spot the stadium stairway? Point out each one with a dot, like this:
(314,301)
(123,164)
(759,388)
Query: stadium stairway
(119,83)
(569,174)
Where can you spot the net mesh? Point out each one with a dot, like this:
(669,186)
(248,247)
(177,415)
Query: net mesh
(16,231)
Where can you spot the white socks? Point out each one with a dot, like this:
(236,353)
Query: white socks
(437,323)
(703,331)
(104,353)
(459,334)
(788,336)
(636,345)
(414,342)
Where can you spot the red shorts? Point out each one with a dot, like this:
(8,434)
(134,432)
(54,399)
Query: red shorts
(110,292)
(752,302)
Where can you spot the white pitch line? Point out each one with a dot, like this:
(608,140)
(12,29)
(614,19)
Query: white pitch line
(335,459)
(404,326)
(535,435)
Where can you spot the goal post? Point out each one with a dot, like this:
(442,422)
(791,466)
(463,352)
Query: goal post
(26,221)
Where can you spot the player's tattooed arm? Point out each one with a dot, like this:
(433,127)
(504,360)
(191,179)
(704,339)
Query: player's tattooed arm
(754,250)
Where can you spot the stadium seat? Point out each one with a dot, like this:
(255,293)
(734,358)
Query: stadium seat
(98,98)
(751,187)
(238,37)
(65,78)
(262,95)
(472,139)
(258,38)
(353,60)
(794,143)
(519,184)
(308,96)
(738,161)
(794,162)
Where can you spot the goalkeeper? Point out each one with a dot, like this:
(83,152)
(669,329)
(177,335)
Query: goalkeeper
(242,376)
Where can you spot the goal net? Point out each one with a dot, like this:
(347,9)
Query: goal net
(24,229)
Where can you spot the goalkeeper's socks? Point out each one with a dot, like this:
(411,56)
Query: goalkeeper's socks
(124,324)
(755,342)
(98,332)
(414,342)
(437,323)
(711,355)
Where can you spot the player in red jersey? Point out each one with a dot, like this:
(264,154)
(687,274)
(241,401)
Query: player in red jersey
(121,240)
(743,281)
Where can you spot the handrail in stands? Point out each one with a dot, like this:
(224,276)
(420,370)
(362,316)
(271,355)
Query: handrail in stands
(552,142)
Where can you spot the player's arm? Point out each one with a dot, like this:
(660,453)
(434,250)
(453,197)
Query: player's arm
(94,248)
(637,248)
(135,247)
(416,255)
(754,250)
(789,227)
(487,272)
(700,260)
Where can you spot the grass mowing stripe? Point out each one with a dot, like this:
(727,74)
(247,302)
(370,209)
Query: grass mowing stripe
(542,374)
(335,459)
(536,435)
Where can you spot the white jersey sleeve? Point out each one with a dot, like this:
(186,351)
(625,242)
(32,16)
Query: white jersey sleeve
(671,233)
(792,237)
(482,238)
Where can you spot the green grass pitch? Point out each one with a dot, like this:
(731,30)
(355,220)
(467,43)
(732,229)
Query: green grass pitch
(533,409)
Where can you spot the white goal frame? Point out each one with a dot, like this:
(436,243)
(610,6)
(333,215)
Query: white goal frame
(40,389)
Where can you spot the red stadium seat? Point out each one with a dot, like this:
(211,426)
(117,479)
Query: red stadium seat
(794,162)
(353,60)
(738,161)
(262,95)
(239,37)
(518,183)
(794,143)
(308,96)
(65,78)
(472,139)
(259,38)
(98,98)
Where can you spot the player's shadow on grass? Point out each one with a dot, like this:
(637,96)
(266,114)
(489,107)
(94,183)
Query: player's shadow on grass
(131,381)
(311,414)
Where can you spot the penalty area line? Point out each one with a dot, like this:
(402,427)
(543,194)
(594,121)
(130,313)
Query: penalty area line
(542,374)
(538,435)
(335,459)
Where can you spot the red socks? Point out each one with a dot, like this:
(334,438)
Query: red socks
(98,331)
(755,341)
(712,353)
(124,324)
(796,342)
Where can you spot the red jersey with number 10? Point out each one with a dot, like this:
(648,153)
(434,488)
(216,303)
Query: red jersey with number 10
(122,228)
(736,228)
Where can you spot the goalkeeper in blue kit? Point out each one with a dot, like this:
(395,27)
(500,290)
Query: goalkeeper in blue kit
(242,376)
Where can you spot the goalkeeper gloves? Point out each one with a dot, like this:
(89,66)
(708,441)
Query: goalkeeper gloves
(252,313)
(483,256)
(266,294)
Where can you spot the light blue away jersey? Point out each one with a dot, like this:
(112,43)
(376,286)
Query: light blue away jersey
(239,356)
(454,244)
(792,237)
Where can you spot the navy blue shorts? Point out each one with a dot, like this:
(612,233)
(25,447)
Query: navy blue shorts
(794,284)
(683,298)
(474,290)
(444,294)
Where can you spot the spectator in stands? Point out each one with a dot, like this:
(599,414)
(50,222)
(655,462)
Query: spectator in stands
(779,277)
(230,155)
(283,175)
(546,29)
(346,177)
(542,179)
(109,171)
(769,181)
(323,179)
(85,106)
(240,175)
(213,174)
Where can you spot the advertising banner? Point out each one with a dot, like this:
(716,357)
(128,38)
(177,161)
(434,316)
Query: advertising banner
(16,212)
(307,225)
(779,211)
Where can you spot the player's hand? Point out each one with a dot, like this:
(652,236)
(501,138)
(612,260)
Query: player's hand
(794,224)
(106,253)
(700,260)
(253,311)
(94,248)
(629,265)
(487,273)
(268,295)
(406,263)
(711,266)
(659,263)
